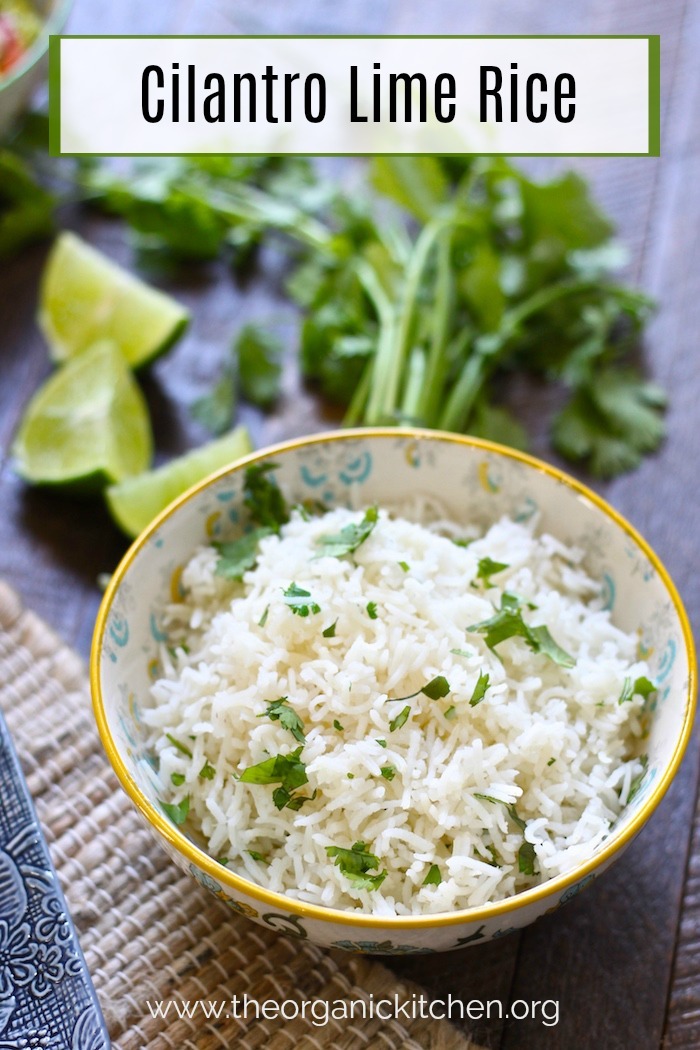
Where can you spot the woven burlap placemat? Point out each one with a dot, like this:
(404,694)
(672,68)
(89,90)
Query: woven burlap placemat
(150,934)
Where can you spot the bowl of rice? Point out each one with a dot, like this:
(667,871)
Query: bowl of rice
(394,691)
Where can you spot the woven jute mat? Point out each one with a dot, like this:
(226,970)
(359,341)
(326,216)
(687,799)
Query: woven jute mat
(150,934)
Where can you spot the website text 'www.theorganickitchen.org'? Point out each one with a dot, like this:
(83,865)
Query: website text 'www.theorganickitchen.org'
(321,1012)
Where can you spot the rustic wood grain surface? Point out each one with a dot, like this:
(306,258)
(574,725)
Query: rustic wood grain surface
(623,959)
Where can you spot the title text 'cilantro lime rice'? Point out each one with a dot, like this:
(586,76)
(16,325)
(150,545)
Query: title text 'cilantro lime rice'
(396,717)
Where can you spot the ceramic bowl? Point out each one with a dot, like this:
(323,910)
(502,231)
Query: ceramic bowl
(18,85)
(477,481)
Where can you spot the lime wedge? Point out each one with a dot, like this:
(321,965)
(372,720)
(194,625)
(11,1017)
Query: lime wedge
(86,297)
(87,425)
(134,503)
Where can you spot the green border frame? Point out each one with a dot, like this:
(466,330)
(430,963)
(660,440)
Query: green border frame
(653,82)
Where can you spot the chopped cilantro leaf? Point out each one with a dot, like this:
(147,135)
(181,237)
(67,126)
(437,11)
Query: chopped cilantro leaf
(350,776)
(330,631)
(177,779)
(526,859)
(526,853)
(382,743)
(283,798)
(365,882)
(433,878)
(480,688)
(337,725)
(280,711)
(488,568)
(400,719)
(372,610)
(237,557)
(263,619)
(263,497)
(349,538)
(462,652)
(258,355)
(355,861)
(295,597)
(508,622)
(177,811)
(388,772)
(541,641)
(637,781)
(405,566)
(182,748)
(257,856)
(640,686)
(286,770)
(216,408)
(451,713)
(551,761)
(435,689)
(207,772)
(222,859)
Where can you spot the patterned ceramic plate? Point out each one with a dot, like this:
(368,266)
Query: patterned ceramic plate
(47,1001)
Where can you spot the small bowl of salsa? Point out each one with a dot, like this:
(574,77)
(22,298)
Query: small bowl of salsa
(25,27)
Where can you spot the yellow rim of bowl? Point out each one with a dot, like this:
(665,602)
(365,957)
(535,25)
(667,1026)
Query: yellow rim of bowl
(479,914)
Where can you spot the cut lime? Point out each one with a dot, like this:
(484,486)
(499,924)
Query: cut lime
(135,502)
(86,297)
(87,425)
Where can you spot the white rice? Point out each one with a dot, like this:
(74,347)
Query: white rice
(554,741)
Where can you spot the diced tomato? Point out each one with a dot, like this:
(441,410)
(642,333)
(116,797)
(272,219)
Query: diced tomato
(11,47)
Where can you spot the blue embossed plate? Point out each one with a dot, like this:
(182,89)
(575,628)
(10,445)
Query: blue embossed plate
(47,999)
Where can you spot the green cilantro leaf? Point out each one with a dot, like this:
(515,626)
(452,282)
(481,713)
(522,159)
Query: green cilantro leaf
(388,772)
(236,557)
(355,863)
(26,209)
(640,686)
(508,622)
(382,743)
(350,537)
(480,688)
(372,610)
(526,853)
(257,856)
(287,770)
(365,882)
(263,619)
(433,878)
(264,498)
(258,355)
(488,568)
(207,772)
(435,689)
(177,779)
(405,566)
(527,858)
(182,748)
(215,410)
(177,811)
(280,711)
(637,781)
(400,719)
(295,597)
(337,725)
(330,631)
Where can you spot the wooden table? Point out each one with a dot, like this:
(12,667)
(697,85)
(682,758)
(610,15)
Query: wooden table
(623,959)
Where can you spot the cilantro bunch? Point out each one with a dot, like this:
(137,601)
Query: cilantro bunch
(420,291)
